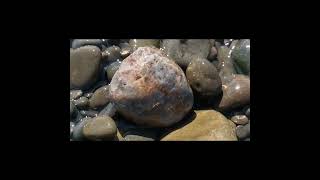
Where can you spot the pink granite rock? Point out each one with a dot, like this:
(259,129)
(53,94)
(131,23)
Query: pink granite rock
(150,89)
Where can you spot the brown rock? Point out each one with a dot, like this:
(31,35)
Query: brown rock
(204,125)
(150,89)
(100,97)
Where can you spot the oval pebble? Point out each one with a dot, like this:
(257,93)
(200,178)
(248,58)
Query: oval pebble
(100,128)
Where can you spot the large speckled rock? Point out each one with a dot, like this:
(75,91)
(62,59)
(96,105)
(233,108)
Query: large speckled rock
(84,66)
(150,89)
(236,93)
(203,125)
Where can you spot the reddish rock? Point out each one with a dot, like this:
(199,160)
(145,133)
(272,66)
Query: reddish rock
(150,89)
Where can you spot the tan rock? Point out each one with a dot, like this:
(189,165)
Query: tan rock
(204,125)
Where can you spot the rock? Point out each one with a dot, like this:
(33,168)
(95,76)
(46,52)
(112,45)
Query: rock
(203,125)
(72,107)
(119,137)
(248,112)
(100,97)
(243,132)
(112,54)
(134,137)
(112,68)
(83,42)
(236,93)
(141,134)
(77,134)
(150,89)
(81,103)
(88,95)
(109,110)
(84,66)
(71,128)
(75,94)
(78,116)
(89,113)
(212,54)
(100,128)
(183,52)
(204,78)
(241,56)
(226,69)
(136,43)
(125,50)
(240,119)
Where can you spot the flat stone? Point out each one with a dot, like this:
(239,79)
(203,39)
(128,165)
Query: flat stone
(84,66)
(100,97)
(100,128)
(203,125)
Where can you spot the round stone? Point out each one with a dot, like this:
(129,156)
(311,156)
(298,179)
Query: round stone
(204,78)
(100,128)
(243,132)
(100,97)
(150,89)
(240,119)
(125,50)
(83,42)
(84,66)
(236,93)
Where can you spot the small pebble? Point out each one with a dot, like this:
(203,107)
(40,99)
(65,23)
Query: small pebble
(81,103)
(100,128)
(240,119)
(243,131)
(125,50)
(100,97)
(75,94)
